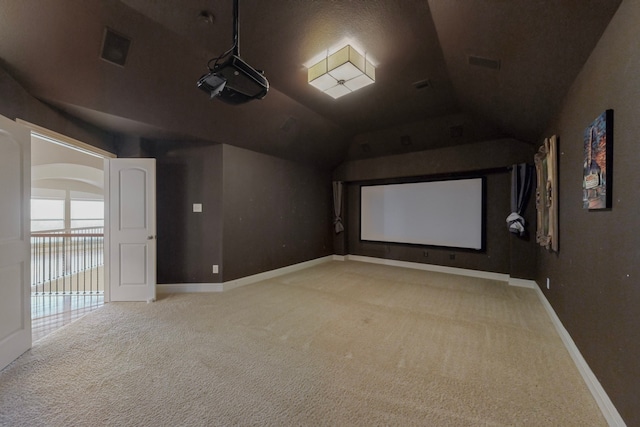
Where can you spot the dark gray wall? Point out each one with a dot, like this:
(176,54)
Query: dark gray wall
(595,288)
(189,243)
(504,253)
(276,212)
(259,213)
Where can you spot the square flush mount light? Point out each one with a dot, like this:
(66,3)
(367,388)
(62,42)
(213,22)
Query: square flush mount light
(342,72)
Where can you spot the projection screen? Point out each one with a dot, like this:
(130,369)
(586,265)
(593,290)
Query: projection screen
(435,213)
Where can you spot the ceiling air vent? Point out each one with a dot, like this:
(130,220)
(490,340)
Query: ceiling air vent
(115,47)
(492,64)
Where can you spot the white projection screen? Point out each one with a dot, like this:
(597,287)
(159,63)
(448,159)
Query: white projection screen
(435,213)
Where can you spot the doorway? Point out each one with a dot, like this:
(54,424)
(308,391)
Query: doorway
(67,232)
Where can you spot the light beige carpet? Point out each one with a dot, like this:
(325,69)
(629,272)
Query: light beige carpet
(343,343)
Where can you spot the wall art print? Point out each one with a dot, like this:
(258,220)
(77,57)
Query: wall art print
(598,160)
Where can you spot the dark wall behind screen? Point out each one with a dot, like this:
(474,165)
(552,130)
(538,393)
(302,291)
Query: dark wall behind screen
(494,259)
(595,276)
(505,253)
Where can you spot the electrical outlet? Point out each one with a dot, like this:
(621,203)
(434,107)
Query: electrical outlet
(426,254)
(548,283)
(215,269)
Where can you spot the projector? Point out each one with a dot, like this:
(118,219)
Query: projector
(234,82)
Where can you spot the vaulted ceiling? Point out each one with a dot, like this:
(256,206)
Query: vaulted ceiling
(493,68)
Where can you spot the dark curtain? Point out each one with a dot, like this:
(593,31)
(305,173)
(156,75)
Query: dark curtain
(337,206)
(522,176)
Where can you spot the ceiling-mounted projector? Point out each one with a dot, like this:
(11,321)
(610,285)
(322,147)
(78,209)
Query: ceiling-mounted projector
(234,81)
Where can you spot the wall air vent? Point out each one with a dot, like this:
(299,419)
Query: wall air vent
(422,84)
(115,47)
(492,64)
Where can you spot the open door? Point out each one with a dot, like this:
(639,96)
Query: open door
(15,238)
(130,229)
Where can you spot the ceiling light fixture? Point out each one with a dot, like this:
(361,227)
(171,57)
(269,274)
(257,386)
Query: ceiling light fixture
(342,72)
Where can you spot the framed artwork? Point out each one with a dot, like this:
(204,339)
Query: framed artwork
(598,160)
(547,194)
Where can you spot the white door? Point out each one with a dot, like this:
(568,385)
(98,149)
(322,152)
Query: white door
(130,229)
(15,240)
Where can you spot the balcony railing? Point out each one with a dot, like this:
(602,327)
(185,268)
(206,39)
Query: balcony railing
(67,262)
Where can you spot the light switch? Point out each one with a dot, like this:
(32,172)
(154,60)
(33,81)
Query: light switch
(197,207)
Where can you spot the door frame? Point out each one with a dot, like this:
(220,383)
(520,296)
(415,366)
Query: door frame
(16,254)
(61,139)
(74,144)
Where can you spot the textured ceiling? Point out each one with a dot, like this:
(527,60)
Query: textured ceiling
(52,48)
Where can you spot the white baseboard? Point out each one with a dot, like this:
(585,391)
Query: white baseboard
(609,411)
(232,284)
(181,288)
(431,267)
(512,281)
(522,283)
